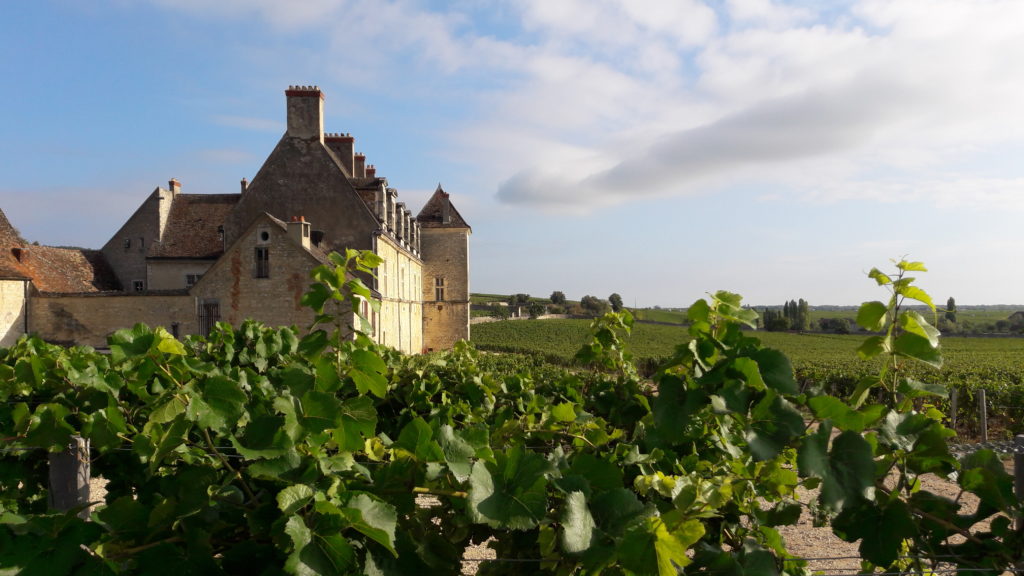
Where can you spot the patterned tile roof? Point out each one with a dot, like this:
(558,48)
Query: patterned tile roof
(68,270)
(193,227)
(432,214)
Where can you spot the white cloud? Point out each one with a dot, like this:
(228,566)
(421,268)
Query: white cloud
(578,104)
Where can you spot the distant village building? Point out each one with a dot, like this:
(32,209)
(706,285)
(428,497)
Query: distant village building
(187,261)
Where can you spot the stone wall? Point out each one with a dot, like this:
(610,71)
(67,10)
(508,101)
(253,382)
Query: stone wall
(170,274)
(274,300)
(12,311)
(89,319)
(126,249)
(445,255)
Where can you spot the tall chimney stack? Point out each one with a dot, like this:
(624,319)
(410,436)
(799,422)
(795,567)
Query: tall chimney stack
(359,168)
(305,112)
(343,146)
(174,186)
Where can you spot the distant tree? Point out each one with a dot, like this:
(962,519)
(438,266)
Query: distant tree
(535,309)
(518,300)
(593,305)
(836,325)
(616,301)
(803,315)
(951,309)
(776,321)
(558,298)
(500,312)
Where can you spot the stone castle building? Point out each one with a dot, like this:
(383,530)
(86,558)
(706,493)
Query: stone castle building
(186,261)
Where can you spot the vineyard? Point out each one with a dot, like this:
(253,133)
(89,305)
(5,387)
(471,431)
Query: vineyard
(829,361)
(264,450)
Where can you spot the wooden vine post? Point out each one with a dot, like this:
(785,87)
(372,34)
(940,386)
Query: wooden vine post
(69,477)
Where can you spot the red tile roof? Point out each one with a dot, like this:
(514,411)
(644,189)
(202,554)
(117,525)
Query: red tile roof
(68,270)
(193,227)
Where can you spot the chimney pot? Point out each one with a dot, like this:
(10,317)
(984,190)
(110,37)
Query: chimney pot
(174,185)
(244,184)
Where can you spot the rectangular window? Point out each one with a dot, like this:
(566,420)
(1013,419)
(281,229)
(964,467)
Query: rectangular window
(261,267)
(142,242)
(209,315)
(439,288)
(191,280)
(127,243)
(138,285)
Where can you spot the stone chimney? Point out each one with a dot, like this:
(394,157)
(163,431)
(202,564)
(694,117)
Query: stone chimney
(371,171)
(305,112)
(391,201)
(244,185)
(381,199)
(400,221)
(298,229)
(174,186)
(343,146)
(359,166)
(406,225)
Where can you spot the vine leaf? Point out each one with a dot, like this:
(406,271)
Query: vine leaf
(847,471)
(578,524)
(871,315)
(881,530)
(511,492)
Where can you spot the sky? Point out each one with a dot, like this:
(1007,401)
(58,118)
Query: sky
(658,149)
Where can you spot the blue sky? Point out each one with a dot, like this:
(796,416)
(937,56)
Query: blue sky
(659,149)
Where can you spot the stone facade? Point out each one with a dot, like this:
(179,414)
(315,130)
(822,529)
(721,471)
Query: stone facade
(185,261)
(13,310)
(88,319)
(262,276)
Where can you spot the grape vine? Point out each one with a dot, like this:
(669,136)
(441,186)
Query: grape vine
(270,451)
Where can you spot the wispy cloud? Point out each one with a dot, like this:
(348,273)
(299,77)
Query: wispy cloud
(248,123)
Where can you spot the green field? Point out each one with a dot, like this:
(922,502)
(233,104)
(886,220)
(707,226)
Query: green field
(830,361)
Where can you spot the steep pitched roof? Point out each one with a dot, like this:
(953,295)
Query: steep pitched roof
(68,270)
(193,226)
(10,243)
(433,213)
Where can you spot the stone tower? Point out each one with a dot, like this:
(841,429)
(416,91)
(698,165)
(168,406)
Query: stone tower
(444,244)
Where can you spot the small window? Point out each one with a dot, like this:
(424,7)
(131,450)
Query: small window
(439,289)
(192,279)
(261,267)
(138,285)
(263,236)
(175,329)
(142,242)
(209,315)
(127,243)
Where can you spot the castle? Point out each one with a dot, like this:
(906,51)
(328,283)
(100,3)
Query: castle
(187,261)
